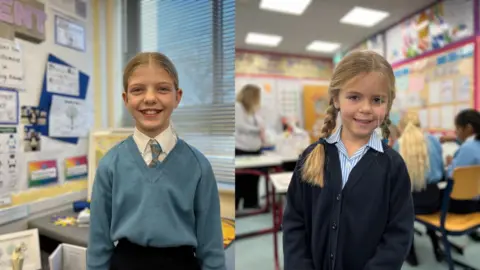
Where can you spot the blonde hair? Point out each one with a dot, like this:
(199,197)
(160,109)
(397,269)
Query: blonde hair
(351,66)
(249,97)
(147,58)
(413,148)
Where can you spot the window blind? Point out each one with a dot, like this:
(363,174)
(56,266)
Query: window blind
(198,36)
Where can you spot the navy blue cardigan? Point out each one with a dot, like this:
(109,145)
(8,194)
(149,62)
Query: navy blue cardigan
(366,226)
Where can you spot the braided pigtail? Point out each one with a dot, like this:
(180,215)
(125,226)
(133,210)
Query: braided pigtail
(313,168)
(386,128)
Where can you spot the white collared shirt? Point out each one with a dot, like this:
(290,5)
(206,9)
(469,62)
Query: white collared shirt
(167,140)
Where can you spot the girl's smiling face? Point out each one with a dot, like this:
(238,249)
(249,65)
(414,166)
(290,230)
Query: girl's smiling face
(362,102)
(151,98)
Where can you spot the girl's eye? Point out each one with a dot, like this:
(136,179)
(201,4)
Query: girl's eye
(163,89)
(378,100)
(353,97)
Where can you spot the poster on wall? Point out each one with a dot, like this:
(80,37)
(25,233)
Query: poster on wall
(70,34)
(247,63)
(77,8)
(11,65)
(62,79)
(375,43)
(431,29)
(69,117)
(315,104)
(76,168)
(42,173)
(8,106)
(9,147)
(437,87)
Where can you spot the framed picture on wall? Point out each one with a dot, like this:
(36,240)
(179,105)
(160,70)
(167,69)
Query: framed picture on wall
(70,34)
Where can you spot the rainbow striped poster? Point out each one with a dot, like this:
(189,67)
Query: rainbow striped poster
(41,173)
(76,168)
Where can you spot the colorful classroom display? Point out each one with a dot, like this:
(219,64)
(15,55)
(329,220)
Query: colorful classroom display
(437,87)
(42,172)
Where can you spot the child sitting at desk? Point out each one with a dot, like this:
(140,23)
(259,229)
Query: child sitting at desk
(467,125)
(422,153)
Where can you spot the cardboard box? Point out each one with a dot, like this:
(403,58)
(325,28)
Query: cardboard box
(68,257)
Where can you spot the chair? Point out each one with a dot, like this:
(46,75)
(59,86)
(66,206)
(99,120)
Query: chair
(465,185)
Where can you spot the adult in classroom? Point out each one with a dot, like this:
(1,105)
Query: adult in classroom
(249,137)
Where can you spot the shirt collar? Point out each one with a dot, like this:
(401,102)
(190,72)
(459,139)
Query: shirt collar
(471,138)
(374,142)
(166,139)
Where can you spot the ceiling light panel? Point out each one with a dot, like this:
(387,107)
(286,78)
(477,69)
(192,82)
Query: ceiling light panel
(292,7)
(364,17)
(263,39)
(322,46)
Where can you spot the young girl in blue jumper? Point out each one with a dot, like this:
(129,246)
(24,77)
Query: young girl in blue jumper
(153,193)
(467,125)
(349,204)
(422,153)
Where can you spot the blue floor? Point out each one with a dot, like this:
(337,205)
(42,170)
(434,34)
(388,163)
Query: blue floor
(257,253)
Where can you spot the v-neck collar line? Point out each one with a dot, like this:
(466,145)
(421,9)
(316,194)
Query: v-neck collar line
(151,172)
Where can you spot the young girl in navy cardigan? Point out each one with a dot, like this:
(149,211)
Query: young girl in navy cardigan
(349,204)
(153,193)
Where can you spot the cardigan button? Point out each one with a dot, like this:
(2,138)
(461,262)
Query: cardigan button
(331,256)
(338,197)
(334,226)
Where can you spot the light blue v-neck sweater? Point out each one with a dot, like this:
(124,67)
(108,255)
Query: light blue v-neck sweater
(173,204)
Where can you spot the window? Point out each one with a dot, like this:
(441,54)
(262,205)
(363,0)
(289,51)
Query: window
(199,37)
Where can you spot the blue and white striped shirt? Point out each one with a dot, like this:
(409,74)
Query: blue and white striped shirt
(348,163)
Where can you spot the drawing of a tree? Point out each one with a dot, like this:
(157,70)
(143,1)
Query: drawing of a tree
(72,113)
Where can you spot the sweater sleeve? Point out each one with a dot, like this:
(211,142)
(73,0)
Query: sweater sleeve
(296,251)
(398,235)
(100,246)
(241,122)
(208,222)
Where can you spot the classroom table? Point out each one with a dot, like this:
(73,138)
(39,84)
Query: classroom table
(251,165)
(280,182)
(51,235)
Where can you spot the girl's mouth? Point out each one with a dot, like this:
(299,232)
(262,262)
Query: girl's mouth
(150,112)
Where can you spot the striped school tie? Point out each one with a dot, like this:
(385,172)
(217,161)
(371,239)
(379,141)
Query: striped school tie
(156,151)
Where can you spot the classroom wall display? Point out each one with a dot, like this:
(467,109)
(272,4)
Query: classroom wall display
(11,65)
(42,172)
(100,142)
(69,33)
(35,103)
(315,104)
(73,8)
(281,98)
(69,117)
(375,43)
(431,29)
(437,87)
(8,106)
(24,19)
(27,243)
(76,168)
(254,64)
(9,148)
(64,87)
